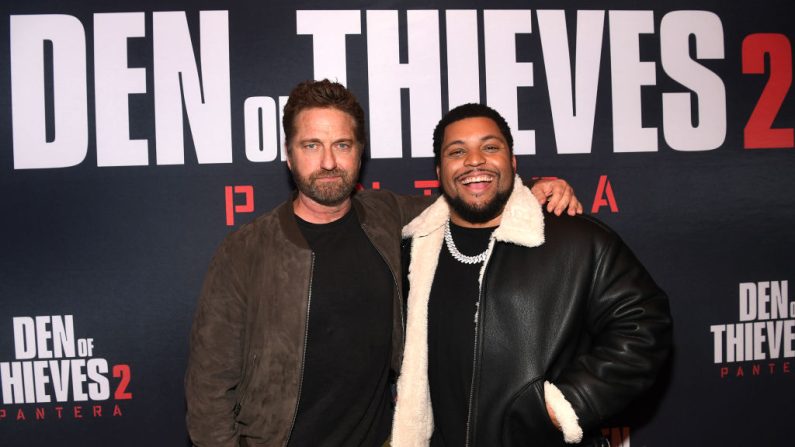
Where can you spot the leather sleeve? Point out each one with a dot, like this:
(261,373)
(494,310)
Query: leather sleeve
(215,356)
(629,319)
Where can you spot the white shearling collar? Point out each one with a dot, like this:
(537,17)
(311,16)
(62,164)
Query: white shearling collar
(522,221)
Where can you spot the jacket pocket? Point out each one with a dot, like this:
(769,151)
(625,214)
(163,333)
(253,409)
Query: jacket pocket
(242,416)
(526,420)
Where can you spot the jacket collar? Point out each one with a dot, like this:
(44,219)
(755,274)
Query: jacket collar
(522,220)
(289,224)
(287,218)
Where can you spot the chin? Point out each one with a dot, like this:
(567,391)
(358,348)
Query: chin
(480,211)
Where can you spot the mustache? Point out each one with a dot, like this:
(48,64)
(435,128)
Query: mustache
(336,172)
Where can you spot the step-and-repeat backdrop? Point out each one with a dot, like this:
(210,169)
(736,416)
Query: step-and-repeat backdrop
(135,134)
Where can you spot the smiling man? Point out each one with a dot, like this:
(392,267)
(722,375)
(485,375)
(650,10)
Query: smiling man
(523,328)
(477,183)
(300,321)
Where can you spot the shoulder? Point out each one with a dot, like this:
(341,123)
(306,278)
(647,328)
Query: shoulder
(580,222)
(578,229)
(252,235)
(381,203)
(375,197)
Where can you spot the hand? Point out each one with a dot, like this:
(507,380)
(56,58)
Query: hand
(558,195)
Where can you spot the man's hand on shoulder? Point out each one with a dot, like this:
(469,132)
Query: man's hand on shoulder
(558,196)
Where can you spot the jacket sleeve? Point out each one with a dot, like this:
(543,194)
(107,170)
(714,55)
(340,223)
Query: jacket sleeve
(629,319)
(411,206)
(215,356)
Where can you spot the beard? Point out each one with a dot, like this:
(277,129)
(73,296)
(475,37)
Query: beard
(328,194)
(480,213)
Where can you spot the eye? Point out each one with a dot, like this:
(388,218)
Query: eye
(455,152)
(344,146)
(310,146)
(491,148)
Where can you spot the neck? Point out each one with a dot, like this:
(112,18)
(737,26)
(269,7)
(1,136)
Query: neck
(313,212)
(456,219)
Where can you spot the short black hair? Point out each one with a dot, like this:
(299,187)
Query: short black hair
(471,110)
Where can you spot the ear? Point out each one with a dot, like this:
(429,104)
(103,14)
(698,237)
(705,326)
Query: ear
(513,163)
(289,165)
(438,177)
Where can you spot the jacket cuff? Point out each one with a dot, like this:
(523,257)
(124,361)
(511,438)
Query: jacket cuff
(564,412)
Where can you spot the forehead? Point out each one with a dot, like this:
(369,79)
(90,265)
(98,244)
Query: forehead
(472,128)
(324,120)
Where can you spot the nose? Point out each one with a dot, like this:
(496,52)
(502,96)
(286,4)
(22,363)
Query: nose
(474,158)
(328,160)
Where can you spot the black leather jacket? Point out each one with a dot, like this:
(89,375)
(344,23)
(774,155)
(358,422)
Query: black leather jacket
(562,300)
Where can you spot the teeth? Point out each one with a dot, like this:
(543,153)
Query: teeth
(479,178)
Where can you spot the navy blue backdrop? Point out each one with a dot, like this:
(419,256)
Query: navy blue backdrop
(135,135)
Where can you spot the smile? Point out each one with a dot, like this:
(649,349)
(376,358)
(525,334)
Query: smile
(478,179)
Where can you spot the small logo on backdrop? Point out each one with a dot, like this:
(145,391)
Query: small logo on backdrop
(232,208)
(762,341)
(604,196)
(55,375)
(426,186)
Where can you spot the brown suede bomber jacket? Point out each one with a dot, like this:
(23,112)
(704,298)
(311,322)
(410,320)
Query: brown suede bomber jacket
(247,342)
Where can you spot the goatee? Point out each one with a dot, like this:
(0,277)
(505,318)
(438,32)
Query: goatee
(326,193)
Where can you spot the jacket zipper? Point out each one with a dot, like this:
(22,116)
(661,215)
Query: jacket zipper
(397,287)
(303,354)
(478,315)
(474,364)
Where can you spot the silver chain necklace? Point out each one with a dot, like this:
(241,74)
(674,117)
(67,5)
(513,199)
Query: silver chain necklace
(460,257)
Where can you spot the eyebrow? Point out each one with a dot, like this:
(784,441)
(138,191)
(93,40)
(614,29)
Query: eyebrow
(482,140)
(350,141)
(310,140)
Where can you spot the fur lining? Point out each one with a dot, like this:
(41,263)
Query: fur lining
(429,220)
(413,419)
(522,221)
(564,412)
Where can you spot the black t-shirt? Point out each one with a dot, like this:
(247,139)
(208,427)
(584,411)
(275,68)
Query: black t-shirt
(345,396)
(451,335)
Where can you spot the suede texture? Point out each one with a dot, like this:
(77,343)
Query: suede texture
(247,342)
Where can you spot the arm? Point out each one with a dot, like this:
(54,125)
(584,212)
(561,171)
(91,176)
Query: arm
(215,357)
(630,320)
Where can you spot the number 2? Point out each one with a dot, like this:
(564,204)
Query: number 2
(122,371)
(759,131)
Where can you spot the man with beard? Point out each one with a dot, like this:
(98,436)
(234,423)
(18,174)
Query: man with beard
(523,328)
(299,323)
